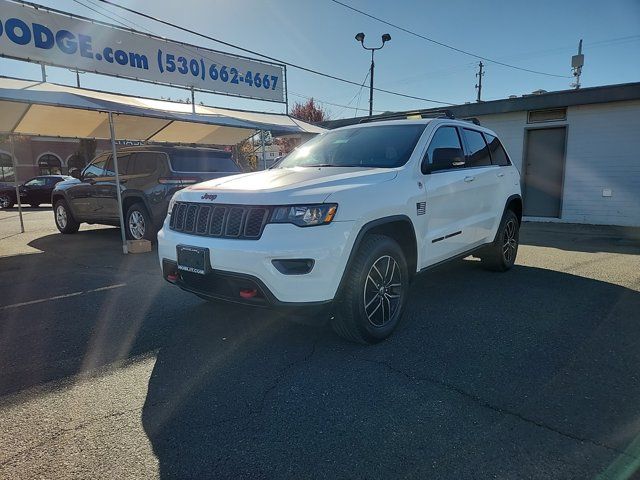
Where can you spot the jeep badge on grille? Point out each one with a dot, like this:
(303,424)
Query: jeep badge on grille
(209,196)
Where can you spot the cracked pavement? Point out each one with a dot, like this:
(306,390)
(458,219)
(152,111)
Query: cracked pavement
(529,374)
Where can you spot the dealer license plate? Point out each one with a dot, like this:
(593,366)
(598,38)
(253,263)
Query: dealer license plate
(192,259)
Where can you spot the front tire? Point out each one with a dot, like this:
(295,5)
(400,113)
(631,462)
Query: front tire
(64,218)
(374,292)
(138,224)
(501,254)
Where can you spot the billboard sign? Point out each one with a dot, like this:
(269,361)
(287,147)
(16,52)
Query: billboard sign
(53,38)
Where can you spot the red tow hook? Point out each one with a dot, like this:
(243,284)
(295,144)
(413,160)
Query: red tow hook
(248,292)
(172,277)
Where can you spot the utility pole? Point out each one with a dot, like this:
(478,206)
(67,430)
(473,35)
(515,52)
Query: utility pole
(480,74)
(577,62)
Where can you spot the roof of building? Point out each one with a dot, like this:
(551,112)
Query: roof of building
(533,101)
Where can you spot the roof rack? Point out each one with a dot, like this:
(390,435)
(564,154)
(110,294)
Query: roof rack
(473,120)
(444,113)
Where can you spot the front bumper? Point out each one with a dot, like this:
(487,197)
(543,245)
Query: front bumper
(247,264)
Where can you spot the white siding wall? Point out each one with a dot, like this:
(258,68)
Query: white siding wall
(603,152)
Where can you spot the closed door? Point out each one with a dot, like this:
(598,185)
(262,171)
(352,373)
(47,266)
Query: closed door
(485,184)
(106,196)
(81,194)
(544,171)
(450,198)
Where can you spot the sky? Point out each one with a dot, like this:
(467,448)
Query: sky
(319,34)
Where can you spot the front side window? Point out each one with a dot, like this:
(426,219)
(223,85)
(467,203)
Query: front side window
(95,168)
(445,151)
(498,153)
(123,166)
(380,146)
(36,182)
(478,151)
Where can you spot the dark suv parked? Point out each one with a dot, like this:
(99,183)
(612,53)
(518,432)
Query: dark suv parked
(149,177)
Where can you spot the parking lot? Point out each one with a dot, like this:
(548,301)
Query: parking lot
(109,372)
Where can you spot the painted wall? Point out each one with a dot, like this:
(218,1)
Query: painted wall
(603,153)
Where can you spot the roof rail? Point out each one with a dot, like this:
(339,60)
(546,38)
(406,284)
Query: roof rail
(473,120)
(443,113)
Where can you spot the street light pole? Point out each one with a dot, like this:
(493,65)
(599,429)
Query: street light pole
(373,65)
(360,38)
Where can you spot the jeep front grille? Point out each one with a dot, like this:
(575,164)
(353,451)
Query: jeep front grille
(224,221)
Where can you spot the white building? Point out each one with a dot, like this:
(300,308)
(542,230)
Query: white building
(578,151)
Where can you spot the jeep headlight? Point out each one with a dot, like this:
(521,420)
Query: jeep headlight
(305,215)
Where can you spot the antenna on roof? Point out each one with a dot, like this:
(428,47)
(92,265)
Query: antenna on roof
(577,62)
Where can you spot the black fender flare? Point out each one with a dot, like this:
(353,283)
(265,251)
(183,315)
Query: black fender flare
(62,195)
(367,227)
(515,196)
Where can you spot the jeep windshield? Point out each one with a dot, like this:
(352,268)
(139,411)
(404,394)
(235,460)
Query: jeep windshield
(383,146)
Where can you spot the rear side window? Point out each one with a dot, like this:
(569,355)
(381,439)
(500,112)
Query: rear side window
(498,154)
(145,163)
(478,151)
(202,161)
(445,150)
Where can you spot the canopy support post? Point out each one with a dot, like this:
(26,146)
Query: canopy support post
(264,156)
(114,152)
(15,180)
(193,101)
(44,72)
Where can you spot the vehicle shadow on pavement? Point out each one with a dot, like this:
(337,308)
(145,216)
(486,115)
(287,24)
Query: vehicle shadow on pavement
(525,374)
(63,323)
(582,238)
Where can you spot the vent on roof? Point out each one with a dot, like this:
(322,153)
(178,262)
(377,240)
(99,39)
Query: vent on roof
(551,115)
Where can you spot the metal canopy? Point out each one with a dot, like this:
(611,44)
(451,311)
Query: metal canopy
(46,109)
(37,108)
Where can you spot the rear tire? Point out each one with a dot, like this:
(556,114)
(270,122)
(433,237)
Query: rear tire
(64,218)
(6,200)
(501,254)
(138,224)
(374,292)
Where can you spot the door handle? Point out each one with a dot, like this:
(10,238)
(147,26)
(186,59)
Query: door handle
(501,174)
(469,179)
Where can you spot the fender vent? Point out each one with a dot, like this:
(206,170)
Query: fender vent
(421,208)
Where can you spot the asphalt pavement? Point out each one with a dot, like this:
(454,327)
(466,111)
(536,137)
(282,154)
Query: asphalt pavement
(107,371)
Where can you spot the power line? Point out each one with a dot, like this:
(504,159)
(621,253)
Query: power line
(295,94)
(252,52)
(451,47)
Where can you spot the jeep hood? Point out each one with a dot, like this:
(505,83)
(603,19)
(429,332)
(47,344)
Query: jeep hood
(286,185)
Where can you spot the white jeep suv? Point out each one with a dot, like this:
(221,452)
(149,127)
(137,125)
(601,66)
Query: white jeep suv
(346,221)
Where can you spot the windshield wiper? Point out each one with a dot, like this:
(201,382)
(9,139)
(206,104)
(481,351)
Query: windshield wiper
(320,165)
